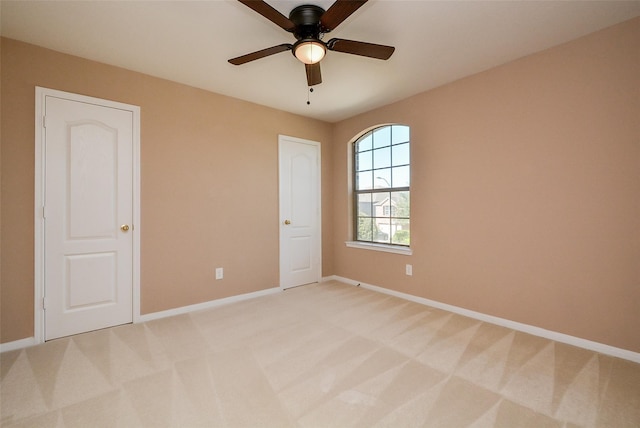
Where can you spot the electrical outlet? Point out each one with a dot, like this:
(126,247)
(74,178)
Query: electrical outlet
(219,273)
(408,269)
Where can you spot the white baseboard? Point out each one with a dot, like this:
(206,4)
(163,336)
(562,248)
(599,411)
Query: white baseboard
(17,344)
(525,328)
(30,341)
(207,305)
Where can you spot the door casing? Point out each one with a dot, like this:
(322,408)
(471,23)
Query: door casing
(40,175)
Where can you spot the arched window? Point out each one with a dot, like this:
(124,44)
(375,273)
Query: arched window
(382,181)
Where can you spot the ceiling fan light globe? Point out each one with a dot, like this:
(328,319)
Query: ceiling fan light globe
(310,52)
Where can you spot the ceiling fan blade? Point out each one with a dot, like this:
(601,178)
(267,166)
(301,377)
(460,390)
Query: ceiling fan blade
(338,12)
(260,54)
(270,13)
(314,76)
(361,48)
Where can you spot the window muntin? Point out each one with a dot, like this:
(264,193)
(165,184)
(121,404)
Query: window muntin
(381,174)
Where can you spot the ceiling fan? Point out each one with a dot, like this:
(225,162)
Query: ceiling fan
(309,23)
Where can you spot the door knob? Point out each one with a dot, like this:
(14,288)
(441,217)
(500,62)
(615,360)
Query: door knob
(124,227)
(287,222)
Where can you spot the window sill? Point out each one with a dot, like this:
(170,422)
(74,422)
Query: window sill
(379,247)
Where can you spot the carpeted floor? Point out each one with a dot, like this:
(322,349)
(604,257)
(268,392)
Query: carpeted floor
(323,355)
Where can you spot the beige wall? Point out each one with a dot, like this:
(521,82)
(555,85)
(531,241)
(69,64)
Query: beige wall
(209,183)
(525,188)
(525,191)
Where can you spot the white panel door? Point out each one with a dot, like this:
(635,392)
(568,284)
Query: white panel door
(300,242)
(88,245)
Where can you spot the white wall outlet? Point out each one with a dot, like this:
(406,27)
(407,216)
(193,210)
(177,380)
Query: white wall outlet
(219,273)
(408,269)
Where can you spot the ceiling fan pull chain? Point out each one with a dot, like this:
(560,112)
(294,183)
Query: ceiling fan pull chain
(308,96)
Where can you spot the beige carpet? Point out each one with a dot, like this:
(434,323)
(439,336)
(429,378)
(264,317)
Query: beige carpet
(326,355)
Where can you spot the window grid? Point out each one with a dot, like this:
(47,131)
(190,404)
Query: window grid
(382,186)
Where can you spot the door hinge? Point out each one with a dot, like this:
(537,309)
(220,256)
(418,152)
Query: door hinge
(44,303)
(44,121)
(44,211)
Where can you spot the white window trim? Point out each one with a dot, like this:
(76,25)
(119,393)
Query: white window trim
(407,251)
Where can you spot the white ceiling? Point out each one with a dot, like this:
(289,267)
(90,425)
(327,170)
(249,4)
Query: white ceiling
(190,41)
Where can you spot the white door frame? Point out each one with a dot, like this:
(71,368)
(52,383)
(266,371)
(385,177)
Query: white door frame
(39,283)
(318,146)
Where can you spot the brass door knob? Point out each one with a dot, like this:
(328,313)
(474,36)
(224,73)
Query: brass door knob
(287,222)
(124,227)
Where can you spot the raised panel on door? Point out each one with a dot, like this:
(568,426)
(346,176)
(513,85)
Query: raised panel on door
(90,280)
(302,190)
(92,179)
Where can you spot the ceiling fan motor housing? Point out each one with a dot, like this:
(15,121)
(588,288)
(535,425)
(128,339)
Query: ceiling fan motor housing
(307,21)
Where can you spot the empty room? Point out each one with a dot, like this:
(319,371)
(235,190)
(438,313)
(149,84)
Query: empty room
(247,213)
